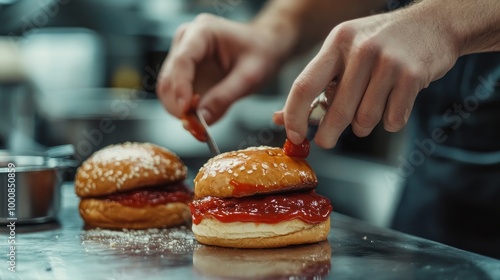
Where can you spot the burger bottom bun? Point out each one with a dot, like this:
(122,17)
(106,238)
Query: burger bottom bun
(297,262)
(259,235)
(113,215)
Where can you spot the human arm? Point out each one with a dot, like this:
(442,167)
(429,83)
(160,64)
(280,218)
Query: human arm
(226,60)
(382,62)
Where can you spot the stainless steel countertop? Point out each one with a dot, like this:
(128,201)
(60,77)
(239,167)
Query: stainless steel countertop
(354,250)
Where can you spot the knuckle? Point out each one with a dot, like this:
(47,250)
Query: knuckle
(200,29)
(368,48)
(390,61)
(343,32)
(366,119)
(204,18)
(411,76)
(337,118)
(302,85)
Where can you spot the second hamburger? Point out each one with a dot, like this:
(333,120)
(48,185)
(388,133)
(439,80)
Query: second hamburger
(258,198)
(133,186)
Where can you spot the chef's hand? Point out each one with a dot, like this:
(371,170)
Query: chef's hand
(381,63)
(221,59)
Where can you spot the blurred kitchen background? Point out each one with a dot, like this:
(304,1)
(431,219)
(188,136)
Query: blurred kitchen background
(84,72)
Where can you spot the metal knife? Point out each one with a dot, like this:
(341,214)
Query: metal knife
(318,110)
(212,146)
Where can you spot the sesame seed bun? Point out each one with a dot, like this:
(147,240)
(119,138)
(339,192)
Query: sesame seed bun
(259,235)
(269,169)
(312,261)
(113,215)
(127,166)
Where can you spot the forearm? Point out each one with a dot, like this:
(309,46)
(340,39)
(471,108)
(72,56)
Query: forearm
(474,26)
(300,24)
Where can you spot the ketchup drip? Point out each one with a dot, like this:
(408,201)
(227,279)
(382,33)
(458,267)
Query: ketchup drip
(191,123)
(152,196)
(270,209)
(293,150)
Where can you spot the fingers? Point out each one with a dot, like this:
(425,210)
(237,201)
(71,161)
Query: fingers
(349,94)
(372,106)
(175,82)
(309,84)
(238,83)
(400,102)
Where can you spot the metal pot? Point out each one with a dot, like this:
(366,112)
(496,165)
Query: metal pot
(30,188)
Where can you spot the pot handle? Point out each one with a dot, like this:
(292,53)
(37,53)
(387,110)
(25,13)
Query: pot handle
(62,154)
(62,151)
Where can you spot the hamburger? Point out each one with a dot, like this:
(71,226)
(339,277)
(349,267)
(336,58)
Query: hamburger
(133,186)
(259,197)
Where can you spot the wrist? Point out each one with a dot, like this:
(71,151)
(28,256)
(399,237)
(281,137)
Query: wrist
(471,27)
(281,33)
(434,15)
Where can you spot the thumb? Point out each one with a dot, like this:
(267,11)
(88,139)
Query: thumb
(246,76)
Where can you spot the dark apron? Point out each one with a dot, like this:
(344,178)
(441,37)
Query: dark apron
(453,194)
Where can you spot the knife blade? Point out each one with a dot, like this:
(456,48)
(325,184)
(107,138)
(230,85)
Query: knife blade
(212,146)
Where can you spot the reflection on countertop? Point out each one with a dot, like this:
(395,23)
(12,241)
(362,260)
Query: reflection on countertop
(310,261)
(354,250)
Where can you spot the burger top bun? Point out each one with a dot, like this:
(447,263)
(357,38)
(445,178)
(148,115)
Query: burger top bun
(255,170)
(127,166)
